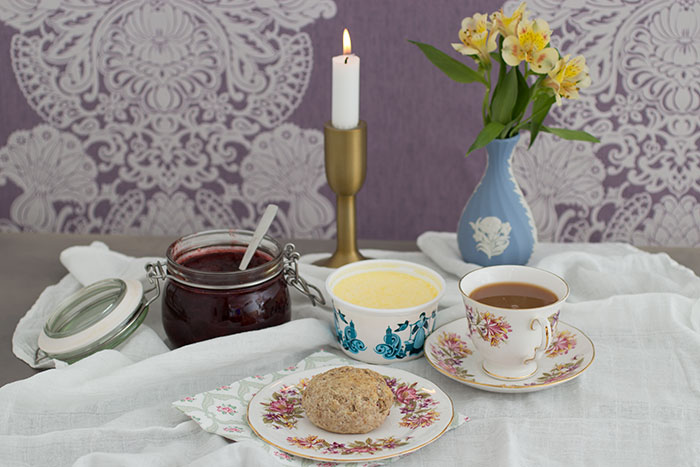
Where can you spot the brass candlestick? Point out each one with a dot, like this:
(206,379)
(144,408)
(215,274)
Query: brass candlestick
(346,167)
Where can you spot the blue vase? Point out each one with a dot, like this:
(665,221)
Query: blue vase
(496,226)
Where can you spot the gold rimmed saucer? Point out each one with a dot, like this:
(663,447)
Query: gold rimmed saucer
(450,351)
(274,414)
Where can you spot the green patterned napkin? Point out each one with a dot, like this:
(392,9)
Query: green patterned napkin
(223,410)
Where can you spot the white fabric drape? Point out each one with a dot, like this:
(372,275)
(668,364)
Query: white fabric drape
(638,403)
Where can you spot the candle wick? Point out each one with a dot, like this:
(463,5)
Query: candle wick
(346,59)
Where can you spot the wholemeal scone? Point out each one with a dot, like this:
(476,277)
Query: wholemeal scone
(347,400)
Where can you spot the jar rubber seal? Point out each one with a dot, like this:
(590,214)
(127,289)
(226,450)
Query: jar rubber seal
(99,316)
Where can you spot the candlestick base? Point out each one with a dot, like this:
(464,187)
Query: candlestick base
(340,258)
(346,167)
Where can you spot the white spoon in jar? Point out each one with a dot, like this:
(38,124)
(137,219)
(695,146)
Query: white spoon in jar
(260,231)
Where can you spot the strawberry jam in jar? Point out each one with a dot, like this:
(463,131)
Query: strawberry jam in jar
(206,295)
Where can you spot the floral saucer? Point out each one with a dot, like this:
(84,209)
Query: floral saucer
(421,414)
(451,352)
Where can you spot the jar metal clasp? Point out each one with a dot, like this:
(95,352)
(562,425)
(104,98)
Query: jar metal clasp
(155,272)
(292,277)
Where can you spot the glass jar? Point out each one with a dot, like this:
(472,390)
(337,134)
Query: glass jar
(206,296)
(97,317)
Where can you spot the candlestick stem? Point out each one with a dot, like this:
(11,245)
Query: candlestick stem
(346,167)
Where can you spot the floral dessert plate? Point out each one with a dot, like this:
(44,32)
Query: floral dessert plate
(422,412)
(451,352)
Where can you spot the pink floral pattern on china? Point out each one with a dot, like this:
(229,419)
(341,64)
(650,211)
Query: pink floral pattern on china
(449,353)
(554,320)
(257,394)
(493,329)
(559,372)
(417,407)
(367,446)
(564,341)
(284,409)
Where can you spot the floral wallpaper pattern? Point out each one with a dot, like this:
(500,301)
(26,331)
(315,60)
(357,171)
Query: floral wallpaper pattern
(163,117)
(172,116)
(641,184)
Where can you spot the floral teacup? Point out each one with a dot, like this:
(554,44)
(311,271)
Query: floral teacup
(511,341)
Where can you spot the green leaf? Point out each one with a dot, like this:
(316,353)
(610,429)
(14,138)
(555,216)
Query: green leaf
(501,69)
(455,69)
(523,95)
(504,97)
(485,136)
(576,135)
(540,109)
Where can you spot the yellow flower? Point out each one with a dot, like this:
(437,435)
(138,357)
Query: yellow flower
(530,44)
(568,77)
(507,25)
(477,36)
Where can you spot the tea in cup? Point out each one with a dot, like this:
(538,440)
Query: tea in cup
(511,315)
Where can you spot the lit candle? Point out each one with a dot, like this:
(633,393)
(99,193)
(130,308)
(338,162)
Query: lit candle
(345,101)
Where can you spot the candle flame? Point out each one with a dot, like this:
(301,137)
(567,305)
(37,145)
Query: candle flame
(347,46)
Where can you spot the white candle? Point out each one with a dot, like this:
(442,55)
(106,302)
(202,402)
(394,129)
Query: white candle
(345,100)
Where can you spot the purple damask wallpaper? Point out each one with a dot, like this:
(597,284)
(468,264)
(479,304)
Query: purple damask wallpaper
(172,116)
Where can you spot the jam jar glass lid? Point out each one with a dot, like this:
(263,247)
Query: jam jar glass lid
(99,316)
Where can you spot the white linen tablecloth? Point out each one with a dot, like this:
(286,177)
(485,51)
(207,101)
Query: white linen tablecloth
(638,403)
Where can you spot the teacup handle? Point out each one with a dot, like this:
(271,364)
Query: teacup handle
(546,336)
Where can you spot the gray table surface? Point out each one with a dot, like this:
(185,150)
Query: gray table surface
(30,264)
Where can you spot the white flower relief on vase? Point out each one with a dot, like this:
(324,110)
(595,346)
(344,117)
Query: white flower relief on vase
(492,236)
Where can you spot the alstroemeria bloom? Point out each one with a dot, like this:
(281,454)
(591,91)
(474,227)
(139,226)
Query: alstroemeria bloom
(507,25)
(530,44)
(477,36)
(567,77)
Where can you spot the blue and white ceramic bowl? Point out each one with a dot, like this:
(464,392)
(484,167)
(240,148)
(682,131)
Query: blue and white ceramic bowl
(380,336)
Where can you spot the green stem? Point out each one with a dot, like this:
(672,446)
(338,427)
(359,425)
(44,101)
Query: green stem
(506,133)
(485,104)
(533,93)
(522,124)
